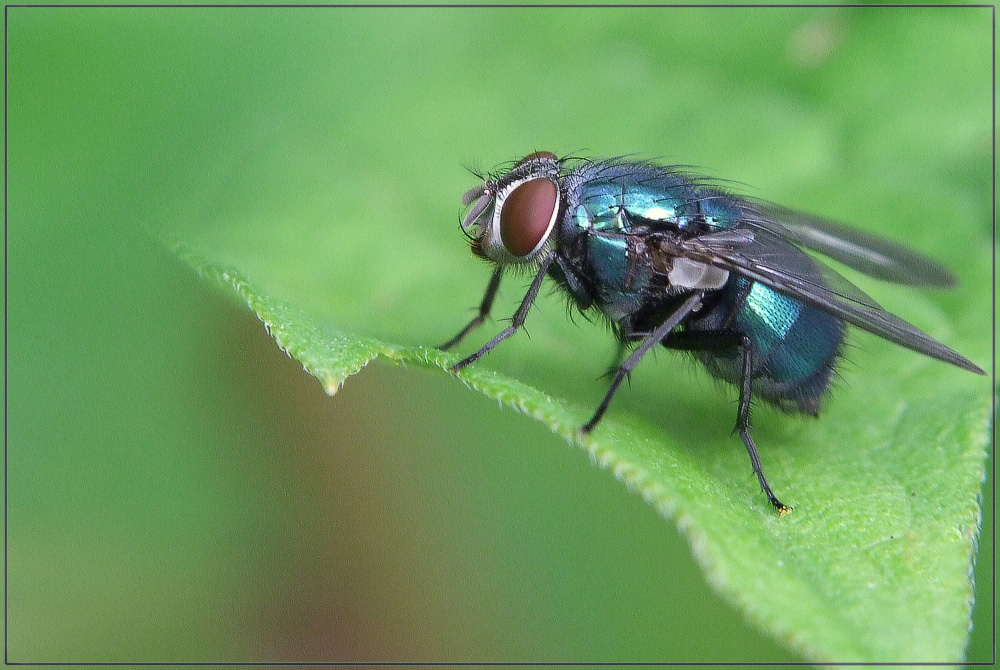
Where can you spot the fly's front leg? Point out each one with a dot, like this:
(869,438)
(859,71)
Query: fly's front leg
(484,310)
(651,341)
(714,341)
(516,322)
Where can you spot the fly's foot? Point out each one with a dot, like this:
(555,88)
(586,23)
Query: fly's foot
(781,508)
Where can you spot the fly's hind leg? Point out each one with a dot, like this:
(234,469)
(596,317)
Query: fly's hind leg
(714,341)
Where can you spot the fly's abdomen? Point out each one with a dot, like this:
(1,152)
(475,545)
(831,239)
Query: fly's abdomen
(795,345)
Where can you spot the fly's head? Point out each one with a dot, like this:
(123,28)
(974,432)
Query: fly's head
(511,218)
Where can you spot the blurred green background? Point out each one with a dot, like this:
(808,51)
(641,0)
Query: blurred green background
(179,490)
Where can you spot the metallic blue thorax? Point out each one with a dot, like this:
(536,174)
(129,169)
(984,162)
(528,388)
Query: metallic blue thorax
(611,211)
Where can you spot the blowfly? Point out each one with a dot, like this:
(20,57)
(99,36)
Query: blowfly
(673,259)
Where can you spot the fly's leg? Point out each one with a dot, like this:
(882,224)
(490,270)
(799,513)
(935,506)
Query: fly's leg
(516,322)
(715,340)
(662,331)
(484,310)
(743,426)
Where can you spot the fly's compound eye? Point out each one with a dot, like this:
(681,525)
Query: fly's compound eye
(538,155)
(527,216)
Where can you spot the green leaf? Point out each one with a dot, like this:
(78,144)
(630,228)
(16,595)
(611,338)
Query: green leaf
(347,227)
(872,565)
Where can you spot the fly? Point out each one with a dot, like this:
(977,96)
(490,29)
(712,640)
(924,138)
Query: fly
(675,260)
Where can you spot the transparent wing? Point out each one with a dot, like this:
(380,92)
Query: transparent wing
(873,255)
(765,255)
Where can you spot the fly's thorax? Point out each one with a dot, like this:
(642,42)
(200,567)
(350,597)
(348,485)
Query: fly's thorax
(512,218)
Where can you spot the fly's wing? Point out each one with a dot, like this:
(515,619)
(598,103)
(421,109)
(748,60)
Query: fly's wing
(765,256)
(873,255)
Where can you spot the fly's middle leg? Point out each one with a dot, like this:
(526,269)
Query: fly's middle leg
(657,336)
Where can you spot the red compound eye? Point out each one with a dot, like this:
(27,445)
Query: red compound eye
(527,215)
(538,154)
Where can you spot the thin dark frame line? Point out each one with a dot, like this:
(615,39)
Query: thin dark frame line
(992,7)
(993,395)
(500,6)
(6,288)
(501,663)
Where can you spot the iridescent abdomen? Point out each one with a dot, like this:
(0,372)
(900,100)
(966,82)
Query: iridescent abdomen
(795,345)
